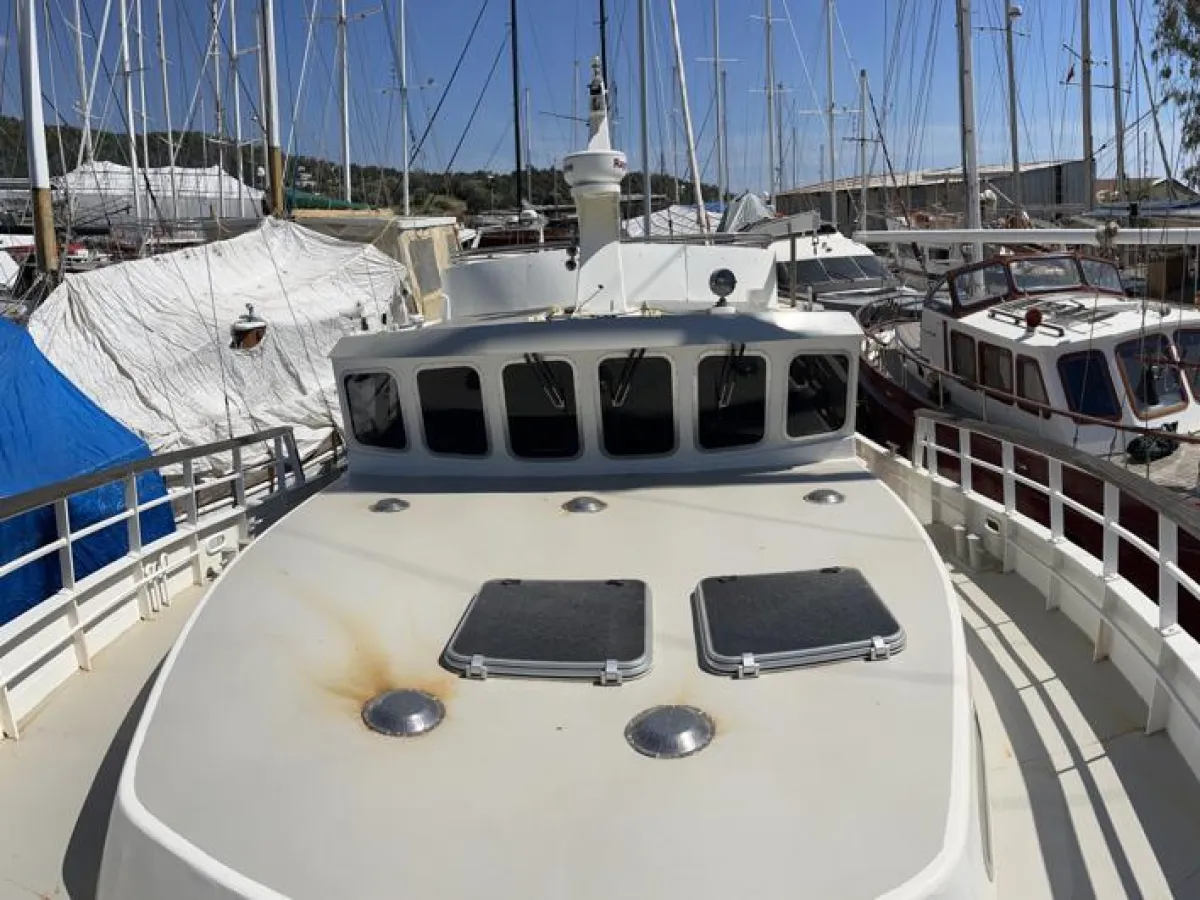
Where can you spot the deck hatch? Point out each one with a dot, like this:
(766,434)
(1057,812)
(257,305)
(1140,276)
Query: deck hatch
(781,620)
(597,630)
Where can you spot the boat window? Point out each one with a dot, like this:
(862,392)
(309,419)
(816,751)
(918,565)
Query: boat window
(1187,341)
(1087,384)
(732,399)
(1045,274)
(539,397)
(980,285)
(1151,376)
(782,620)
(1031,385)
(817,392)
(637,405)
(376,418)
(872,266)
(938,254)
(996,371)
(1102,274)
(452,411)
(842,268)
(554,629)
(962,355)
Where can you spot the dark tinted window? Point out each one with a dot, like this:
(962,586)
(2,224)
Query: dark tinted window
(452,411)
(1031,386)
(817,392)
(1087,384)
(374,410)
(542,419)
(637,405)
(983,283)
(1188,344)
(962,355)
(996,370)
(732,400)
(1102,274)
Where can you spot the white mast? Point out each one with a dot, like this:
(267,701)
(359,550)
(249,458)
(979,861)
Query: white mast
(716,14)
(45,243)
(127,72)
(829,142)
(81,65)
(91,89)
(216,63)
(235,81)
(966,108)
(1118,100)
(1085,48)
(697,193)
(862,149)
(528,152)
(404,144)
(1011,14)
(345,75)
(770,95)
(166,99)
(644,86)
(271,110)
(141,64)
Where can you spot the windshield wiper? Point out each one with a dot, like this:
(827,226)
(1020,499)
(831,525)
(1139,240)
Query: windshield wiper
(625,379)
(729,374)
(545,376)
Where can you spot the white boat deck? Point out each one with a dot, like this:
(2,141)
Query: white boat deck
(1083,804)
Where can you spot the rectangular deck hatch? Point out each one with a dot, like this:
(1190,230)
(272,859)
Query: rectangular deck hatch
(782,620)
(596,630)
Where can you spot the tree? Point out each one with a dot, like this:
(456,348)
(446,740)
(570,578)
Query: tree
(1177,55)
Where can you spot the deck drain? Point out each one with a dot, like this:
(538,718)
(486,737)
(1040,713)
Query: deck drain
(403,713)
(670,732)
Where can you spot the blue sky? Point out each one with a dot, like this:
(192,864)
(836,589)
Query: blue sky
(906,46)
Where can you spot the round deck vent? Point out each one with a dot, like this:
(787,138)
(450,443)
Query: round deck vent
(585,505)
(390,504)
(403,713)
(824,497)
(670,732)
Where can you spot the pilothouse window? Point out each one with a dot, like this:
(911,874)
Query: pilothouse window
(1151,376)
(1087,385)
(539,396)
(817,392)
(637,405)
(732,399)
(1188,343)
(452,411)
(375,415)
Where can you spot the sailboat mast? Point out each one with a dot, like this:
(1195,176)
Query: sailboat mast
(127,72)
(343,47)
(516,98)
(697,193)
(271,110)
(528,153)
(1118,100)
(215,16)
(644,87)
(404,138)
(1011,13)
(716,15)
(829,112)
(1085,51)
(966,109)
(604,50)
(166,99)
(141,64)
(81,66)
(45,243)
(863,99)
(235,80)
(769,37)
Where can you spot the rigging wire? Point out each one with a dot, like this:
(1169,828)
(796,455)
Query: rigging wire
(475,108)
(450,83)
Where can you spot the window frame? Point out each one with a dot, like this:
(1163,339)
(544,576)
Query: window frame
(349,414)
(458,363)
(1023,402)
(672,362)
(1192,377)
(992,391)
(767,392)
(973,380)
(579,429)
(1134,404)
(1112,388)
(851,380)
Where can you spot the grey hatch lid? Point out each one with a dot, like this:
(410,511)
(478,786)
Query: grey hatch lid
(781,620)
(555,629)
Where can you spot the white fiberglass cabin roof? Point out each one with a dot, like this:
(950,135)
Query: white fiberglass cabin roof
(253,763)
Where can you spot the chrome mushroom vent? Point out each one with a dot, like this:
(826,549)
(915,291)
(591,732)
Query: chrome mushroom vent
(670,732)
(403,713)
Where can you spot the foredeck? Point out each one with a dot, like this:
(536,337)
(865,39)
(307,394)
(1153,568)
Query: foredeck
(1083,804)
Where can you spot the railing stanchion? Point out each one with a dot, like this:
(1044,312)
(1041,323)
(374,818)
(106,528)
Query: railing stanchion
(294,458)
(279,468)
(133,527)
(1112,540)
(239,494)
(964,459)
(191,514)
(66,569)
(1056,500)
(1168,585)
(1010,485)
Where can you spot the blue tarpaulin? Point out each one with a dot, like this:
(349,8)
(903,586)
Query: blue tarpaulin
(50,432)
